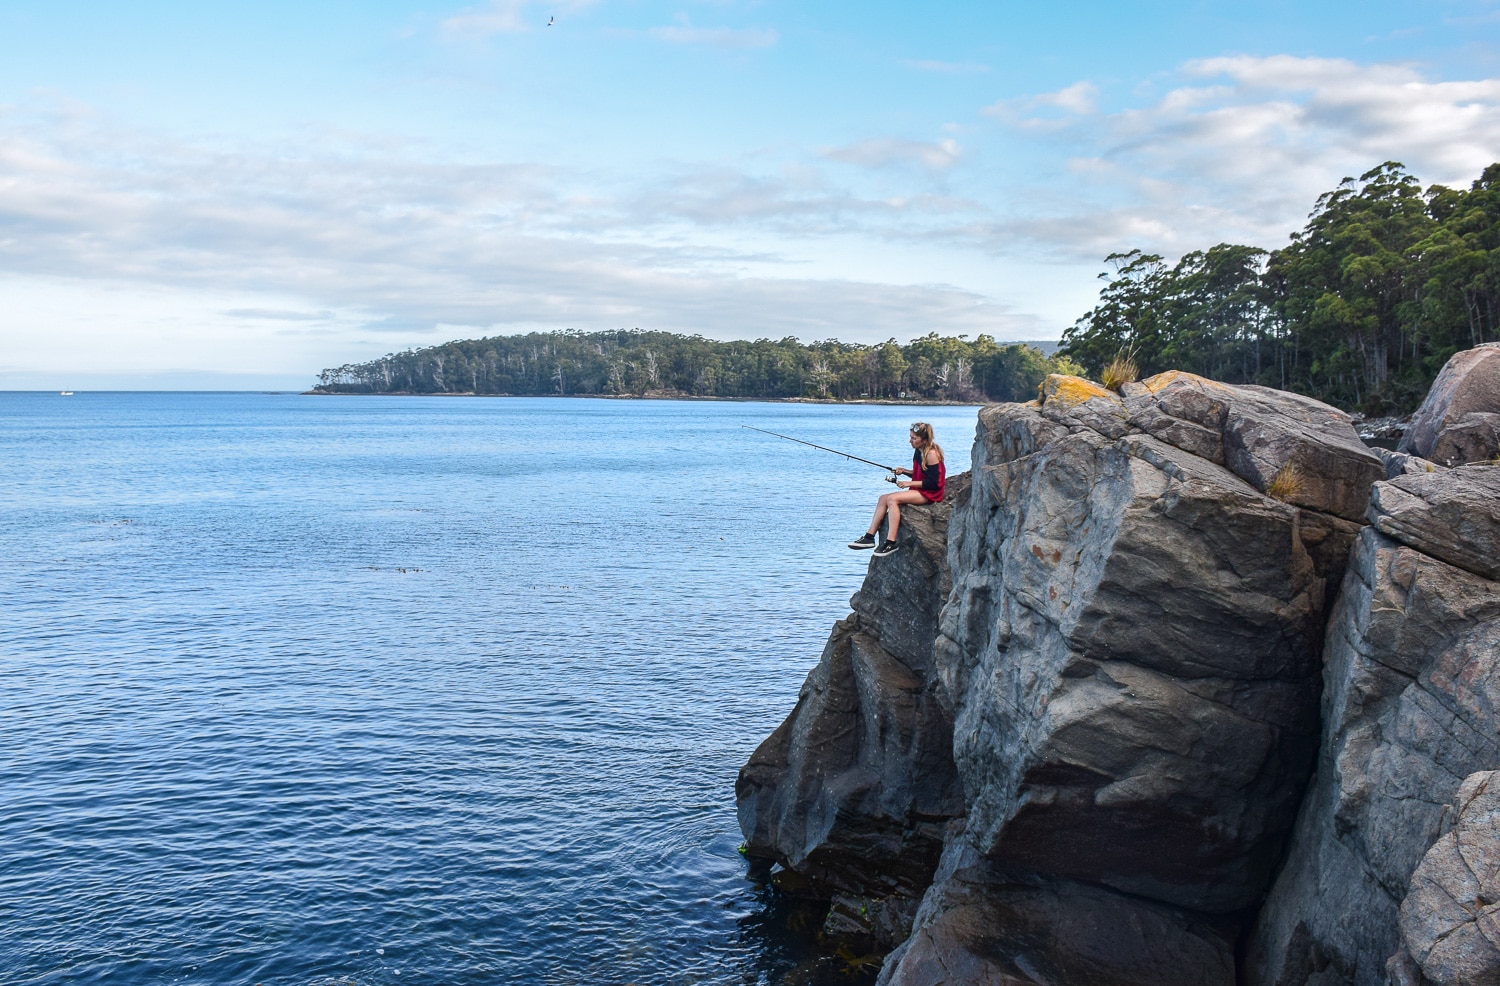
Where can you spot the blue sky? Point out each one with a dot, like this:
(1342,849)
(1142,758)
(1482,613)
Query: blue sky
(226,195)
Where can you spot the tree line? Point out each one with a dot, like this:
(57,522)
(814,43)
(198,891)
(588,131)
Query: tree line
(1361,309)
(636,362)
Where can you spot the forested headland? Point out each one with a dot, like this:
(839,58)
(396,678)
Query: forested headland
(665,364)
(1360,309)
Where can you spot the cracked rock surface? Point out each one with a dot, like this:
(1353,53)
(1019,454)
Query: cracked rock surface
(1130,653)
(1450,919)
(1453,516)
(1178,688)
(1411,707)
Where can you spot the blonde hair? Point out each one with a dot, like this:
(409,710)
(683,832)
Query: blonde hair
(923,431)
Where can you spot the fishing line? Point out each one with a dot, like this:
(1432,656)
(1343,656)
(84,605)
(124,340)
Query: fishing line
(889,469)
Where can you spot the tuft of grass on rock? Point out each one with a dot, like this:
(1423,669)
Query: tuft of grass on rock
(1120,371)
(1287,484)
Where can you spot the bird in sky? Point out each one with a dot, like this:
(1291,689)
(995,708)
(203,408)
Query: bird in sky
(550,20)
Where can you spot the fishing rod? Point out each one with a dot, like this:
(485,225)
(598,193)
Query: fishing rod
(889,469)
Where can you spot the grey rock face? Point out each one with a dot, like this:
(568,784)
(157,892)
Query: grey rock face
(1260,434)
(903,593)
(1131,654)
(850,793)
(1411,706)
(1459,421)
(984,925)
(1475,437)
(1450,919)
(1404,464)
(1452,515)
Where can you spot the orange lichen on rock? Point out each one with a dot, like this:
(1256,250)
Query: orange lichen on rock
(1070,391)
(1160,380)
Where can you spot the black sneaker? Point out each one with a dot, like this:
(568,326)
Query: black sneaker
(886,548)
(864,541)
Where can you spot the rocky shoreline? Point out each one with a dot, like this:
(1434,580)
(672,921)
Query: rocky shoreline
(1182,684)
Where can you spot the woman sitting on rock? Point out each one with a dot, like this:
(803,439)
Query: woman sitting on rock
(926,461)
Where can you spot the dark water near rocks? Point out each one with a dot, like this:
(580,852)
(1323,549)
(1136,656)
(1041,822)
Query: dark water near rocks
(320,691)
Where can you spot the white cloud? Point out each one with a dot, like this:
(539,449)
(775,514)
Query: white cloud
(1242,146)
(1330,107)
(411,250)
(1236,149)
(1055,107)
(882,152)
(1077,98)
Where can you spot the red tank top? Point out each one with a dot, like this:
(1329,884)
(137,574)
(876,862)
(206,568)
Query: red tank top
(932,496)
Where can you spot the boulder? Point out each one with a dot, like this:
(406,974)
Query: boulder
(1293,448)
(1459,421)
(1411,706)
(1404,464)
(1450,919)
(1076,402)
(1130,651)
(1299,449)
(1475,437)
(1303,451)
(879,922)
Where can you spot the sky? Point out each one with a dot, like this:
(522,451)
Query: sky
(237,196)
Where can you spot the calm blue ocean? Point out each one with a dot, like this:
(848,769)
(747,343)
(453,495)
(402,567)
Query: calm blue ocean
(314,691)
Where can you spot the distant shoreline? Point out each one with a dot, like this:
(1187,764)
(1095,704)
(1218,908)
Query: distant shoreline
(887,401)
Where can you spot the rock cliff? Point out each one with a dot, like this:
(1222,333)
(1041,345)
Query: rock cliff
(849,797)
(1178,687)
(1411,708)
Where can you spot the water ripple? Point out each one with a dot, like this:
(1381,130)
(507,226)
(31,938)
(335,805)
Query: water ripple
(323,692)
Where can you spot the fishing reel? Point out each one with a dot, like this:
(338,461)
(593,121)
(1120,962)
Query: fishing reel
(891,478)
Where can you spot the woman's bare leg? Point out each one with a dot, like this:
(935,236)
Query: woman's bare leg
(890,505)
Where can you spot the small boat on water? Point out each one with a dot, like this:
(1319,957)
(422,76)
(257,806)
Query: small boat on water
(65,393)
